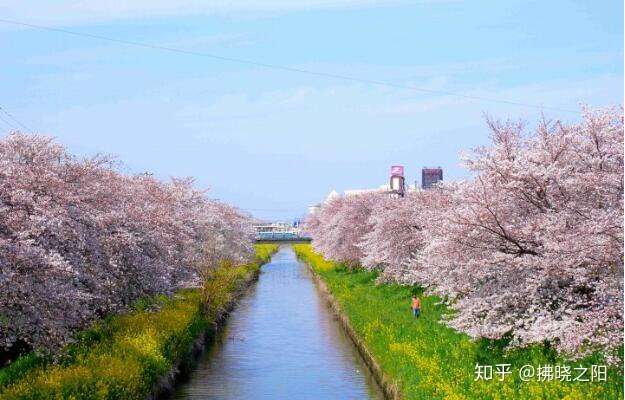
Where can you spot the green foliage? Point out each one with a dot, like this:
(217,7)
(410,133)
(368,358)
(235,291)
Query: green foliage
(122,357)
(19,368)
(264,252)
(225,282)
(429,360)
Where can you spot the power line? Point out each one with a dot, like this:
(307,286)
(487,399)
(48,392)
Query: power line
(285,68)
(7,123)
(15,119)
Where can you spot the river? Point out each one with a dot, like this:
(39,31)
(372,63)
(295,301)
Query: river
(281,342)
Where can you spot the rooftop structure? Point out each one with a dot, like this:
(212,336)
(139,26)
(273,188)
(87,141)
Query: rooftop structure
(430,176)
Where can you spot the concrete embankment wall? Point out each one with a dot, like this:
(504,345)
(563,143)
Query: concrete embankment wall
(165,387)
(389,388)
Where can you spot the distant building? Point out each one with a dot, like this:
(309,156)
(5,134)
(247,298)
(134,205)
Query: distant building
(431,176)
(353,192)
(397,182)
(314,208)
(331,196)
(396,186)
(279,227)
(278,231)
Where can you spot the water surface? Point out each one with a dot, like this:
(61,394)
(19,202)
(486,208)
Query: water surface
(281,342)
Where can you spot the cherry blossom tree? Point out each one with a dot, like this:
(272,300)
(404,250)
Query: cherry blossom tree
(531,247)
(340,225)
(79,240)
(534,245)
(399,231)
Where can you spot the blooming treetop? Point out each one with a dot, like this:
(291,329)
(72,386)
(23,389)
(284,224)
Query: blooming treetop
(79,240)
(531,247)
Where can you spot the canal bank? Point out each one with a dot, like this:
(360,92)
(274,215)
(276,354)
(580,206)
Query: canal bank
(220,295)
(136,355)
(282,341)
(389,388)
(427,359)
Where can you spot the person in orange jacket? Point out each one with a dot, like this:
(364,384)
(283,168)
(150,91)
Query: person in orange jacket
(416,306)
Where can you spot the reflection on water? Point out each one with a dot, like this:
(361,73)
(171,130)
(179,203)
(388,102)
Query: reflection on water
(281,342)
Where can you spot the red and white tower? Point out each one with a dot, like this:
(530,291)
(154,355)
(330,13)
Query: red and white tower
(397,182)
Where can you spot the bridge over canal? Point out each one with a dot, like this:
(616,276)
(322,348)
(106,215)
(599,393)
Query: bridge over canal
(280,232)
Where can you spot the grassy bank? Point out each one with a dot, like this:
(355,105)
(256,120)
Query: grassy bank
(125,356)
(427,360)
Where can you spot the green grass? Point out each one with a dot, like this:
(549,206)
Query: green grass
(124,356)
(224,283)
(428,360)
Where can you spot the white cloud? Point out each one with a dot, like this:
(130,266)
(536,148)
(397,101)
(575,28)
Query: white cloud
(72,12)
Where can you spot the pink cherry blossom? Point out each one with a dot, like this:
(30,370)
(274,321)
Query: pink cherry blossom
(531,246)
(79,240)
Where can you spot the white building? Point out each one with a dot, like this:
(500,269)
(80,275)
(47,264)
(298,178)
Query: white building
(352,192)
(331,196)
(313,208)
(381,188)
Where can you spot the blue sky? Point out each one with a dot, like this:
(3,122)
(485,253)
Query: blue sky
(271,141)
